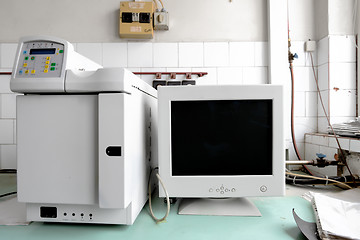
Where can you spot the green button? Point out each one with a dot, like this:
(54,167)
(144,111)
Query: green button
(53,64)
(61,51)
(26,58)
(32,58)
(52,69)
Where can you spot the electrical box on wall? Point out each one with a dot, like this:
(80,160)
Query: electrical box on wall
(136,20)
(310,46)
(161,20)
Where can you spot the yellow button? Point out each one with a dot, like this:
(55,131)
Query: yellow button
(26,71)
(47,62)
(48,58)
(33,71)
(46,70)
(25,65)
(46,66)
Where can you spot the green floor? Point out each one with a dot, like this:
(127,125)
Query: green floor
(276,223)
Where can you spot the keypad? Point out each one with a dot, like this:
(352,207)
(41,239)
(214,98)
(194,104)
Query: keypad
(41,59)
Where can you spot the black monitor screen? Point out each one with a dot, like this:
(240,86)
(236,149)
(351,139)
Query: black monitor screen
(221,137)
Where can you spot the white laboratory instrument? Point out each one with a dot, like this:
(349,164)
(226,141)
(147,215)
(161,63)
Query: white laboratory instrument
(86,136)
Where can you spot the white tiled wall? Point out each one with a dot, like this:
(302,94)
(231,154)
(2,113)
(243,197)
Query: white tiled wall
(166,55)
(92,51)
(7,55)
(260,50)
(114,54)
(225,63)
(140,54)
(337,83)
(7,108)
(335,67)
(7,124)
(191,54)
(337,79)
(242,54)
(326,144)
(305,98)
(216,54)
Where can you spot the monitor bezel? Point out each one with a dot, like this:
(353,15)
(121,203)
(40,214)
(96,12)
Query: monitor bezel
(221,186)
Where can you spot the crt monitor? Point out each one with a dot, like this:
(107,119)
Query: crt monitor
(220,144)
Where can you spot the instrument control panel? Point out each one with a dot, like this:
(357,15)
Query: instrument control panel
(40,59)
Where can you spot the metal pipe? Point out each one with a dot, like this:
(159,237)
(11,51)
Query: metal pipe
(200,74)
(302,162)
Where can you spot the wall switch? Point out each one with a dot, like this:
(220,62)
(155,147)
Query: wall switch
(161,20)
(310,46)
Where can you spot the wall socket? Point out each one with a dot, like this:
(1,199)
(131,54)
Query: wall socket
(161,20)
(310,46)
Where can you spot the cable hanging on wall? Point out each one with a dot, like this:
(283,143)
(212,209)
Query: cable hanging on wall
(342,156)
(291,58)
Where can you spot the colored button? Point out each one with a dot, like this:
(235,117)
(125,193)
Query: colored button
(24,52)
(25,65)
(46,66)
(20,72)
(53,64)
(33,71)
(48,58)
(61,51)
(26,58)
(32,58)
(47,62)
(26,71)
(52,69)
(46,70)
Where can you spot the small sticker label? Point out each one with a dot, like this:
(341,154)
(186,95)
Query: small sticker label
(136,5)
(135,29)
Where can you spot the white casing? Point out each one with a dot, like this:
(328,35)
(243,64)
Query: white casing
(228,186)
(32,84)
(62,146)
(62,159)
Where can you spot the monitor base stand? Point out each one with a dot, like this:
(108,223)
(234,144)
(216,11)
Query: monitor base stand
(218,207)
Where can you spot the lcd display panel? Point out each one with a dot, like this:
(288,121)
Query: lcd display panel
(42,51)
(221,137)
